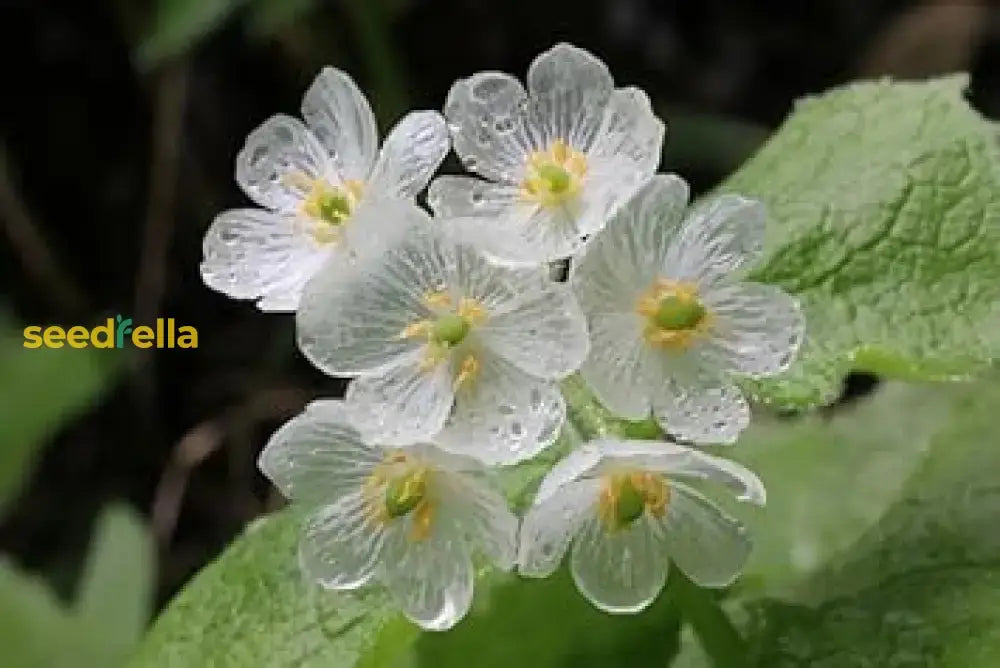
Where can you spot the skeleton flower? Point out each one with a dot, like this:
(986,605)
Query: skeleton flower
(670,320)
(439,337)
(629,506)
(559,157)
(409,518)
(324,187)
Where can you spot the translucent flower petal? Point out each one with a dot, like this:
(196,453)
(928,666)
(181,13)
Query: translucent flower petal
(317,456)
(699,404)
(466,196)
(502,415)
(568,89)
(710,546)
(757,329)
(486,113)
(622,262)
(255,254)
(717,239)
(551,524)
(482,515)
(410,154)
(541,329)
(401,405)
(676,460)
(340,117)
(352,314)
(614,368)
(430,579)
(340,547)
(278,161)
(577,464)
(620,571)
(630,130)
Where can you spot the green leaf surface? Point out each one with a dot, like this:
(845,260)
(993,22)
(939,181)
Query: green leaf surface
(884,220)
(828,479)
(40,389)
(102,627)
(178,25)
(115,593)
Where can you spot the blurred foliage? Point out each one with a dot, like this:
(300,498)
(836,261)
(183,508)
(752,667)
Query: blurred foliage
(177,25)
(40,390)
(102,626)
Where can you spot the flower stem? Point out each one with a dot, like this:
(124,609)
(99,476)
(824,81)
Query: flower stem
(721,641)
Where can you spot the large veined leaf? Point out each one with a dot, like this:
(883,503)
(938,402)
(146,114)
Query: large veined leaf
(884,220)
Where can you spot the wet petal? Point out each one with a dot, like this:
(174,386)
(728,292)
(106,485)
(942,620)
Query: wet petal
(614,367)
(342,120)
(568,90)
(317,456)
(466,196)
(630,130)
(676,460)
(486,113)
(624,260)
(710,546)
(578,463)
(410,154)
(278,161)
(352,314)
(502,415)
(430,579)
(620,571)
(718,238)
(340,546)
(757,329)
(482,514)
(255,254)
(541,329)
(551,524)
(402,405)
(699,405)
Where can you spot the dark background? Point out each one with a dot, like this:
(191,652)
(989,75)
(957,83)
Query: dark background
(117,137)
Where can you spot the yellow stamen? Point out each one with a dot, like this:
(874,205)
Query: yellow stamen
(326,206)
(417,330)
(398,487)
(626,496)
(423,520)
(467,371)
(471,310)
(447,330)
(554,175)
(675,315)
(437,300)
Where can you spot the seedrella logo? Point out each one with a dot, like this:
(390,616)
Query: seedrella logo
(117,332)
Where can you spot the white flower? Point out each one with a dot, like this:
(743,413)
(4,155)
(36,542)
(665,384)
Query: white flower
(408,518)
(431,324)
(669,319)
(629,506)
(560,158)
(323,190)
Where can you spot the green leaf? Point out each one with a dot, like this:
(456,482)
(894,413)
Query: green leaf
(40,389)
(921,586)
(115,594)
(178,25)
(101,629)
(884,221)
(829,479)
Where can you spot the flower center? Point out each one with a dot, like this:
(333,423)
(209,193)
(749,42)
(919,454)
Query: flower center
(397,488)
(554,175)
(450,329)
(405,493)
(675,316)
(447,330)
(625,497)
(328,206)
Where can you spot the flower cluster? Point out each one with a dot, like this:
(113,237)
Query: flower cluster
(455,335)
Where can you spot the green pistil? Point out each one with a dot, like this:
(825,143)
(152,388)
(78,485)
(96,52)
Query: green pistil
(631,504)
(403,494)
(450,329)
(678,314)
(556,178)
(334,208)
